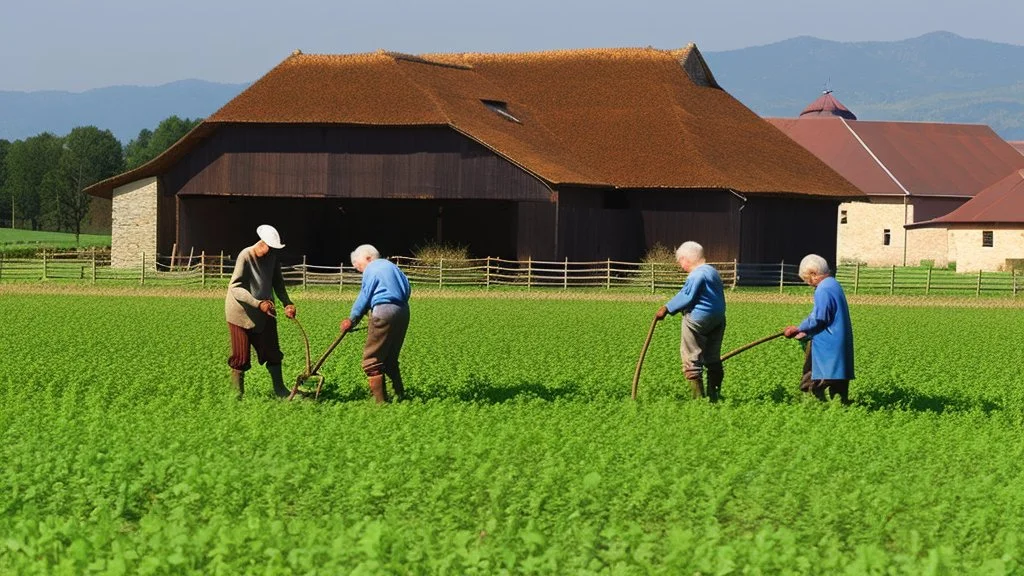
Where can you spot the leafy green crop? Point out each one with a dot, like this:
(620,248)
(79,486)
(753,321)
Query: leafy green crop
(123,451)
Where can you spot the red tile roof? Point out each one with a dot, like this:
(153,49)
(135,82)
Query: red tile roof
(1000,203)
(626,118)
(914,158)
(826,105)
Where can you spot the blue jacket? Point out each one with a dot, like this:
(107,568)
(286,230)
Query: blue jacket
(702,295)
(383,283)
(829,327)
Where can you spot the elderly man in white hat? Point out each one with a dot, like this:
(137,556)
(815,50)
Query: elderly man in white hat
(250,312)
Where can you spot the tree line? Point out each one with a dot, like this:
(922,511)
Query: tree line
(42,177)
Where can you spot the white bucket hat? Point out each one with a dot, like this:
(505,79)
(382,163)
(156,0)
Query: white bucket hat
(269,234)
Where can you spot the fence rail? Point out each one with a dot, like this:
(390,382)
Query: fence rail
(203,269)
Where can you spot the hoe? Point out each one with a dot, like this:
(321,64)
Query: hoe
(311,372)
(647,343)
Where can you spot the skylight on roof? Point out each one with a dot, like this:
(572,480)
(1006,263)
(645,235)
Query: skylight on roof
(501,109)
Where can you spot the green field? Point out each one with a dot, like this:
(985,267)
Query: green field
(123,450)
(16,239)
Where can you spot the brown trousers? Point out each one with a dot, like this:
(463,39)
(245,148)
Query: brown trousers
(385,336)
(268,350)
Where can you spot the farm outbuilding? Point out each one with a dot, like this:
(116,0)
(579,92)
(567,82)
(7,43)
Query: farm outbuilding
(584,154)
(911,172)
(987,232)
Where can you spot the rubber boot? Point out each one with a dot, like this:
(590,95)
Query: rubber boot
(280,390)
(396,383)
(238,382)
(697,386)
(715,376)
(377,388)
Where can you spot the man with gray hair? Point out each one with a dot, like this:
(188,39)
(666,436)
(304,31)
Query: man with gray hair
(702,301)
(827,331)
(385,292)
(250,312)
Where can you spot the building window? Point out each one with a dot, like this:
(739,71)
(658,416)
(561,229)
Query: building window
(501,109)
(886,237)
(842,216)
(986,238)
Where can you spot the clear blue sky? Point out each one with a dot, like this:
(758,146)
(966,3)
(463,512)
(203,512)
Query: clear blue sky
(80,44)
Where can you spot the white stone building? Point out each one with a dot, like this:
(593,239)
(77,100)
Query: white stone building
(986,233)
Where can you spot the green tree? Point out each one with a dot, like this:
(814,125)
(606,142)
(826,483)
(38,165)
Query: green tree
(88,156)
(27,163)
(137,150)
(149,145)
(5,195)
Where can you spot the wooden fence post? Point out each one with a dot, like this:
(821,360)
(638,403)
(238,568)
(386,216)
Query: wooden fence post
(529,271)
(735,272)
(928,281)
(202,266)
(341,277)
(93,265)
(142,273)
(565,275)
(2,265)
(782,277)
(303,272)
(856,277)
(892,280)
(221,264)
(487,272)
(44,264)
(652,277)
(440,273)
(608,279)
(977,292)
(1013,278)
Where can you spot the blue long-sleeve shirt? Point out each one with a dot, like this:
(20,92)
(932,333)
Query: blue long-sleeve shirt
(383,283)
(702,295)
(829,327)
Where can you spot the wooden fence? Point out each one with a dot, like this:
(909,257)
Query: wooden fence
(204,269)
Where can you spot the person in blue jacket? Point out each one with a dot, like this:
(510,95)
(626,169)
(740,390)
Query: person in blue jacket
(702,302)
(828,359)
(385,293)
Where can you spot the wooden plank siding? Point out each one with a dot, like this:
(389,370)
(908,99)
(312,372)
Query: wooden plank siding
(776,229)
(349,162)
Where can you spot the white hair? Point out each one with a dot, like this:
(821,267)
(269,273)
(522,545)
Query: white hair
(365,251)
(691,250)
(813,264)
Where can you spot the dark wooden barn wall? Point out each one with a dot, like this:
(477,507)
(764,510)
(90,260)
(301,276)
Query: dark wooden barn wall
(326,230)
(349,162)
(624,224)
(787,229)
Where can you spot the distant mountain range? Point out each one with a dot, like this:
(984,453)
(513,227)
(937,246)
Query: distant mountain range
(939,77)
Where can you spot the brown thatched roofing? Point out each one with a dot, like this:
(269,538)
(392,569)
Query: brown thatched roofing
(626,118)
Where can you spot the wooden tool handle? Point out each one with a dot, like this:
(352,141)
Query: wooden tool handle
(643,352)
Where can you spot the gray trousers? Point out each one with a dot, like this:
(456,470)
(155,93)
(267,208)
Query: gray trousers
(701,344)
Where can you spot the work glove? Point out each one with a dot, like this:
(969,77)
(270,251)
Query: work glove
(289,310)
(790,331)
(267,307)
(346,325)
(661,313)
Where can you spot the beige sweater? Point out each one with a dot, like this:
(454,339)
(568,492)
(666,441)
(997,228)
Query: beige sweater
(251,283)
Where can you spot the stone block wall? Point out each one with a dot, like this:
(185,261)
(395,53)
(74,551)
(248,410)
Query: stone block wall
(133,223)
(972,256)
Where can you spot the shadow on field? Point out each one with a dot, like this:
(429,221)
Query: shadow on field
(475,389)
(903,398)
(483,391)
